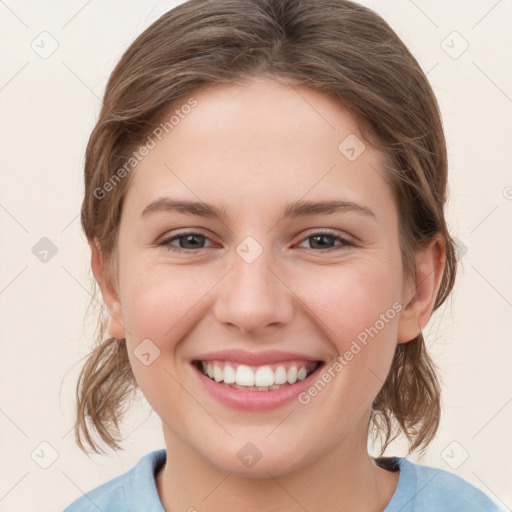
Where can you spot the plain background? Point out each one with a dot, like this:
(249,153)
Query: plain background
(49,104)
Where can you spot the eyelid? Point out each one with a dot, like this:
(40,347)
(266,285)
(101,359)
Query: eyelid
(327,231)
(166,239)
(186,231)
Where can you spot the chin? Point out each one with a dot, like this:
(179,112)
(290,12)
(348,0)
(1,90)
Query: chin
(249,462)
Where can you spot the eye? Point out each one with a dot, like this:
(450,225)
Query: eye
(187,242)
(192,241)
(325,240)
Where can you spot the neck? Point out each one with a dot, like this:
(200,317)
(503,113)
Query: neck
(345,479)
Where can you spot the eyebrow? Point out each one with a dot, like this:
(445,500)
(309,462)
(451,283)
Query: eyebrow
(298,208)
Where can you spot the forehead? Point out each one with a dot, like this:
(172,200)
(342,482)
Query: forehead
(261,142)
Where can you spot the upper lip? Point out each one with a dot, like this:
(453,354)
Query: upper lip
(254,358)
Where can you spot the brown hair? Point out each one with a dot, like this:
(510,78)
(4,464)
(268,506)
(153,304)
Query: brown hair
(334,46)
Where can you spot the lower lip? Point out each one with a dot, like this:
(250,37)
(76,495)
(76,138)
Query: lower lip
(255,400)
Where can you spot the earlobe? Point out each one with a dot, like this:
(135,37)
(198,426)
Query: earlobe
(110,296)
(416,314)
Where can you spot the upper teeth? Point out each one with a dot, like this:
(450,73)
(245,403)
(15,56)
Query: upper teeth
(243,375)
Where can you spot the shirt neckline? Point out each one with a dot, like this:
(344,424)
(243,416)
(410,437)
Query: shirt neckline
(406,487)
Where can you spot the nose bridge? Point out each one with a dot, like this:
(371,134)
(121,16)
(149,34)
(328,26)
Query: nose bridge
(253,277)
(252,296)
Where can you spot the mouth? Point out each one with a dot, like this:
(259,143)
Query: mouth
(263,378)
(255,381)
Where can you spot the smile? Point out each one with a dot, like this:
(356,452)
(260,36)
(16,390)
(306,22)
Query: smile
(257,378)
(255,383)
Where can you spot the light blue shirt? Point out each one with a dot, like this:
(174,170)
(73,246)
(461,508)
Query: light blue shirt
(420,489)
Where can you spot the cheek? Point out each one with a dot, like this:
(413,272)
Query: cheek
(158,302)
(358,311)
(160,305)
(352,300)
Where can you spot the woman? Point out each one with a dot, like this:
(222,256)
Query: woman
(264,201)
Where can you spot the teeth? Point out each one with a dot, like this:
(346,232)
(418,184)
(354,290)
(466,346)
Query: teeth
(263,378)
(244,376)
(229,375)
(280,376)
(218,374)
(292,375)
(301,374)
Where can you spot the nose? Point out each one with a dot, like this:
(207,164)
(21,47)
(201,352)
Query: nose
(254,298)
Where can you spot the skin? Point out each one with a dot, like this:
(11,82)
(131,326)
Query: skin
(252,149)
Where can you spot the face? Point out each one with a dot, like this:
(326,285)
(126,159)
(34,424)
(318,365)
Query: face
(259,279)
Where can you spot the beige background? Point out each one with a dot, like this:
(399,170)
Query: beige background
(48,108)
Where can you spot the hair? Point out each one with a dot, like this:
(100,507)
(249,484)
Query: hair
(334,46)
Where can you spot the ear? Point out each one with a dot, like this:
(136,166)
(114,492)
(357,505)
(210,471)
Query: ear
(110,295)
(421,296)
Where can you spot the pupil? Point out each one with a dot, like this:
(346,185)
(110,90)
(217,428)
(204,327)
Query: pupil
(322,237)
(190,238)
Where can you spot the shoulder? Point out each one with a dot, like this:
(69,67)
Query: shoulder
(125,492)
(426,489)
(107,497)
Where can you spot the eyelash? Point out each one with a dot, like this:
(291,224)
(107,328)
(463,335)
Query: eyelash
(166,243)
